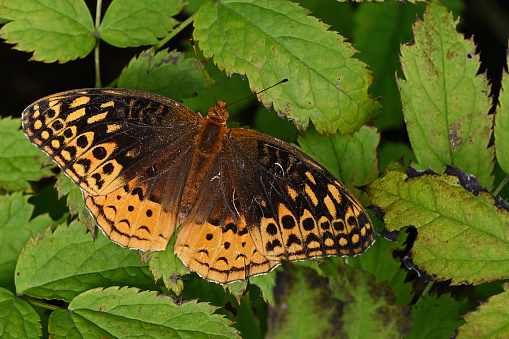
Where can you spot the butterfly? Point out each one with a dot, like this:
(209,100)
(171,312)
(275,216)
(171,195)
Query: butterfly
(244,200)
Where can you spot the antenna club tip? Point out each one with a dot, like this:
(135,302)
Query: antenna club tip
(284,80)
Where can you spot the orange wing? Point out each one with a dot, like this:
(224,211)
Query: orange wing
(265,201)
(128,151)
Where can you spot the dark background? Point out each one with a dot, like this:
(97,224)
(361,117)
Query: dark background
(25,81)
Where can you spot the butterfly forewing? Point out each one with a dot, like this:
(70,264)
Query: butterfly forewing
(103,138)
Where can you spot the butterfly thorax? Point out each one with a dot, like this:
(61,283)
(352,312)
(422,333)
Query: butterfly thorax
(206,148)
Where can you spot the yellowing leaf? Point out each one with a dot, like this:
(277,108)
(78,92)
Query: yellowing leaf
(460,236)
(445,102)
(490,320)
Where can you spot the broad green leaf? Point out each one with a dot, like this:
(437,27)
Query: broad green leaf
(17,318)
(130,23)
(379,261)
(490,320)
(269,41)
(15,230)
(129,312)
(167,265)
(435,317)
(351,158)
(20,161)
(445,102)
(65,263)
(461,236)
(502,125)
(54,30)
(350,303)
(165,73)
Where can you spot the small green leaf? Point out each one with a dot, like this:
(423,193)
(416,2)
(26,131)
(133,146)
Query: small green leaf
(167,265)
(67,262)
(17,318)
(490,320)
(461,236)
(266,283)
(53,30)
(237,289)
(15,230)
(379,261)
(435,317)
(129,312)
(272,40)
(65,186)
(165,73)
(135,23)
(20,161)
(502,125)
(351,158)
(445,102)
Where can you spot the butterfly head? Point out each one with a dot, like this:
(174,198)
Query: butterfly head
(218,112)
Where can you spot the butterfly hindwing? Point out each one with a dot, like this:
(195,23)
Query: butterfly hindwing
(295,208)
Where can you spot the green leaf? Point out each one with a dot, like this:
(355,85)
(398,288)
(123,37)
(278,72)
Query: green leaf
(67,262)
(445,102)
(379,261)
(266,283)
(165,73)
(502,125)
(272,40)
(19,160)
(53,30)
(490,320)
(120,312)
(130,23)
(461,236)
(15,230)
(167,265)
(348,304)
(390,152)
(435,317)
(351,158)
(237,289)
(17,318)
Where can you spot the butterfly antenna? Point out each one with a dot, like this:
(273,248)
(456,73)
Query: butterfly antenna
(253,94)
(202,72)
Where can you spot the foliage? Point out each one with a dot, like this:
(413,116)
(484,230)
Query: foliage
(55,272)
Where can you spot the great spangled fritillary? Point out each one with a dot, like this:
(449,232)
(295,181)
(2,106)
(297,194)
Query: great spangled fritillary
(146,164)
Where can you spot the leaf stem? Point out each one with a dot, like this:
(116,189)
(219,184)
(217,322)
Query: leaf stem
(174,32)
(97,44)
(501,185)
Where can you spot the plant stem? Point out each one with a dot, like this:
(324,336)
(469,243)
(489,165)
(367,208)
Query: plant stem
(97,43)
(174,32)
(502,184)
